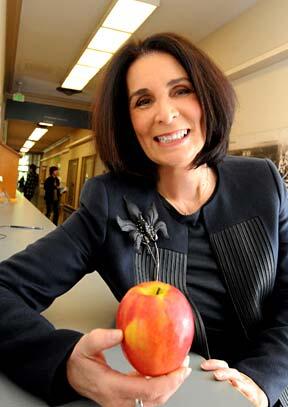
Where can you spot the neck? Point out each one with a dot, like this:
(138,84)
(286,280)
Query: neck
(186,190)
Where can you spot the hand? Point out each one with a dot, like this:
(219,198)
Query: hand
(90,375)
(238,380)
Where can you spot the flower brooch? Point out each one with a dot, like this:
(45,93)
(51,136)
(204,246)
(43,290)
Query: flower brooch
(143,230)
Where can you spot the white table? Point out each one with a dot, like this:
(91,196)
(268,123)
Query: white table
(21,213)
(199,390)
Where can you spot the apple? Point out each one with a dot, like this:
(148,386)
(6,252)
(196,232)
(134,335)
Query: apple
(158,327)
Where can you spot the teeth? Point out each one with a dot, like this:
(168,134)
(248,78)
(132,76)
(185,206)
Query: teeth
(175,136)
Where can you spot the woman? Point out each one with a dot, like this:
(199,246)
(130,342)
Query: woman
(52,194)
(162,125)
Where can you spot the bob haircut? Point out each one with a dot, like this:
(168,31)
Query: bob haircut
(116,141)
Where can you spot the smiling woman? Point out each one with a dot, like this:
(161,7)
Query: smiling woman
(167,117)
(191,77)
(162,124)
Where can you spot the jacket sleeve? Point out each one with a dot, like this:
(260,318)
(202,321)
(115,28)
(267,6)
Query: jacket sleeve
(32,352)
(267,361)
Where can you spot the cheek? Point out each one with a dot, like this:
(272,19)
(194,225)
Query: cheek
(198,114)
(140,126)
(199,120)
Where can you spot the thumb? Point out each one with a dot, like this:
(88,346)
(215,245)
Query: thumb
(99,340)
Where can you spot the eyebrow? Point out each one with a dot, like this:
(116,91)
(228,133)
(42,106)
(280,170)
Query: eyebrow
(144,91)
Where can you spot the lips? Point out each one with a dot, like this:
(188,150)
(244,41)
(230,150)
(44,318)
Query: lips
(168,138)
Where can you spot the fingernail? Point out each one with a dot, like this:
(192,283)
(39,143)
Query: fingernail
(186,361)
(219,375)
(116,334)
(187,373)
(204,364)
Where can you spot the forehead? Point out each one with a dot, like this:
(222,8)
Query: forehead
(152,69)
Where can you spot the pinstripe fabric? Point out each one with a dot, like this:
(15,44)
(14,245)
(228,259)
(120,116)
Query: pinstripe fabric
(245,256)
(173,267)
(284,398)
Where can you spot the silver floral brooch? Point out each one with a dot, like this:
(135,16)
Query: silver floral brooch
(143,230)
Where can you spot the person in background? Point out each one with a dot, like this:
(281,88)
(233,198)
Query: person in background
(31,183)
(52,194)
(219,223)
(21,184)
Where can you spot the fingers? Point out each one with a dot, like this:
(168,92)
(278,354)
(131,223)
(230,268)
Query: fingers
(228,374)
(92,377)
(149,389)
(99,340)
(213,364)
(244,384)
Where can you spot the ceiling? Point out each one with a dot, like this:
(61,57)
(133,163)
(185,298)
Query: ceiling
(20,130)
(45,39)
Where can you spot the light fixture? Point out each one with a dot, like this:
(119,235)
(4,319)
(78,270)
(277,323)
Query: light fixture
(45,124)
(37,133)
(123,19)
(108,40)
(28,144)
(128,15)
(79,77)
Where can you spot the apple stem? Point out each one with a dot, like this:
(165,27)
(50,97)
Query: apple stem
(158,290)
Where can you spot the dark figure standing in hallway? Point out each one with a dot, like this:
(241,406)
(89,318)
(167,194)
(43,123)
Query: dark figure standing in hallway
(31,182)
(52,194)
(21,184)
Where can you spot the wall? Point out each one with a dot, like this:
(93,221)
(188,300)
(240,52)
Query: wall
(263,98)
(9,169)
(80,144)
(2,63)
(256,31)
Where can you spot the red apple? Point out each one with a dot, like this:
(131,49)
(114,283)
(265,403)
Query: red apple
(158,327)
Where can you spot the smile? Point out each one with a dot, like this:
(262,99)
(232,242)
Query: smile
(178,135)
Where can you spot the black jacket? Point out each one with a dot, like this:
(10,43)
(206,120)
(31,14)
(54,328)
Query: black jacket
(247,221)
(52,191)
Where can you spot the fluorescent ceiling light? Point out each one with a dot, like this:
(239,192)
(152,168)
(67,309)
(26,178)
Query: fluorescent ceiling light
(28,144)
(128,15)
(37,134)
(108,40)
(94,58)
(79,77)
(24,150)
(125,17)
(45,124)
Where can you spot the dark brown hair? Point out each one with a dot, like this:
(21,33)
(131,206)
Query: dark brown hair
(52,169)
(115,138)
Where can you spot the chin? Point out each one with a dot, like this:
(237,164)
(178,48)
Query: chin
(176,163)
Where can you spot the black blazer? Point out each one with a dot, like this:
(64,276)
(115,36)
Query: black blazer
(50,185)
(247,222)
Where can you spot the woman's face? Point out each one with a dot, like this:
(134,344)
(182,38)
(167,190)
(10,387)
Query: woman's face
(164,110)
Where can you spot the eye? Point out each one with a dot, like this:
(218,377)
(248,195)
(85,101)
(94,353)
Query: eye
(182,91)
(143,102)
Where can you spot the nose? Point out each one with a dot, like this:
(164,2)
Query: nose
(166,112)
